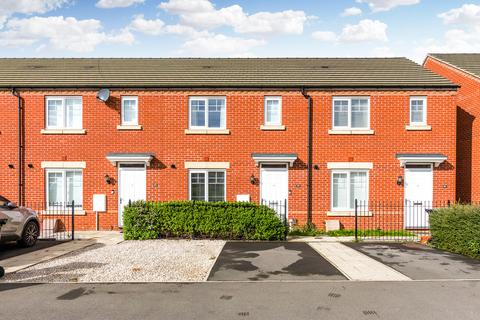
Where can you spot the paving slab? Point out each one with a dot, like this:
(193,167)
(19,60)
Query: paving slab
(274,261)
(421,262)
(356,265)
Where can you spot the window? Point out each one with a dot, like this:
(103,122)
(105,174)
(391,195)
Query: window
(273,111)
(129,111)
(64,112)
(351,113)
(64,186)
(348,186)
(418,111)
(207,185)
(207,113)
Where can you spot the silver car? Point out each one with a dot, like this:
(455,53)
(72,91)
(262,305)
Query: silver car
(22,224)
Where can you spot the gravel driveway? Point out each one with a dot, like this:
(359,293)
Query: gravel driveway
(128,261)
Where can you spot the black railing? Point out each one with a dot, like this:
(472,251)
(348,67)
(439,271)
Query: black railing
(281,208)
(397,221)
(57,219)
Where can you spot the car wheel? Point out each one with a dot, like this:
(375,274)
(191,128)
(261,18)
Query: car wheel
(30,234)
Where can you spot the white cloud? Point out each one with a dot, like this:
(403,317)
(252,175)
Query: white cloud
(9,7)
(385,5)
(468,14)
(365,30)
(203,14)
(353,11)
(327,36)
(157,27)
(382,52)
(220,45)
(60,33)
(109,4)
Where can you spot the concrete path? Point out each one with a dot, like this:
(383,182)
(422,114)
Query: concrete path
(350,300)
(355,265)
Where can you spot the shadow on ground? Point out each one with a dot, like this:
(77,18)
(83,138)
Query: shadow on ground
(11,249)
(254,261)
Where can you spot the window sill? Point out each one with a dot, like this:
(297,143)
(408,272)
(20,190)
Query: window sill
(348,214)
(129,127)
(53,212)
(418,128)
(272,128)
(207,131)
(359,132)
(63,131)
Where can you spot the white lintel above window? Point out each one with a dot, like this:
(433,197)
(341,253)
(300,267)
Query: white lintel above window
(207,165)
(350,165)
(64,164)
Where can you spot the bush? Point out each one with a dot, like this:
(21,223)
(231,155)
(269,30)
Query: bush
(457,229)
(198,219)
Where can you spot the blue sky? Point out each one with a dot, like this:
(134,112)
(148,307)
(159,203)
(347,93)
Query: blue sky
(235,28)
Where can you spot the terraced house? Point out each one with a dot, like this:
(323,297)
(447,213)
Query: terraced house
(314,133)
(464,70)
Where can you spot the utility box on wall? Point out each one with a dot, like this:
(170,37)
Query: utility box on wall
(99,203)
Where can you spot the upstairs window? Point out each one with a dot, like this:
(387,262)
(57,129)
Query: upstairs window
(129,111)
(207,113)
(64,112)
(273,111)
(351,113)
(418,111)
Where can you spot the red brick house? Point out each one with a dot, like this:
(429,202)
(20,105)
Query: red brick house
(316,132)
(464,70)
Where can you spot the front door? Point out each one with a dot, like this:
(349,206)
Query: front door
(418,195)
(132,185)
(274,187)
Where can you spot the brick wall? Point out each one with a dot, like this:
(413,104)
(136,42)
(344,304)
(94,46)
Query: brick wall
(468,129)
(164,117)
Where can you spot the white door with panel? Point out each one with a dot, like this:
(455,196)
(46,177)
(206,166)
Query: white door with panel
(274,187)
(132,185)
(418,195)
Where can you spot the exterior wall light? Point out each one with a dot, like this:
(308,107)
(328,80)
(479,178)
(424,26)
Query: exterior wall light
(253,180)
(11,166)
(108,180)
(399,180)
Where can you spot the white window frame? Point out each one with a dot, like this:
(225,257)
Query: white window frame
(349,122)
(205,98)
(206,171)
(129,123)
(64,113)
(64,191)
(348,172)
(275,98)
(424,120)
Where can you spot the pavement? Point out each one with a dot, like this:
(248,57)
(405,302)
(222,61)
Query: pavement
(11,249)
(243,300)
(273,261)
(420,262)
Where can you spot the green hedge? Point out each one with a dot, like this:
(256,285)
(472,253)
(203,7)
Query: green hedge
(198,219)
(457,229)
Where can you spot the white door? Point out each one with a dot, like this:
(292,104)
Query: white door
(132,185)
(418,195)
(274,187)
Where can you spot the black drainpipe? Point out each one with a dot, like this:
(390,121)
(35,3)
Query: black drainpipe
(20,147)
(309,161)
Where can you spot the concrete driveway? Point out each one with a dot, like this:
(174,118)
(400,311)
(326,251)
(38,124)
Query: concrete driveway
(420,262)
(11,249)
(253,261)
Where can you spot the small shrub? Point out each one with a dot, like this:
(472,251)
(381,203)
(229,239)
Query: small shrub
(198,219)
(457,229)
